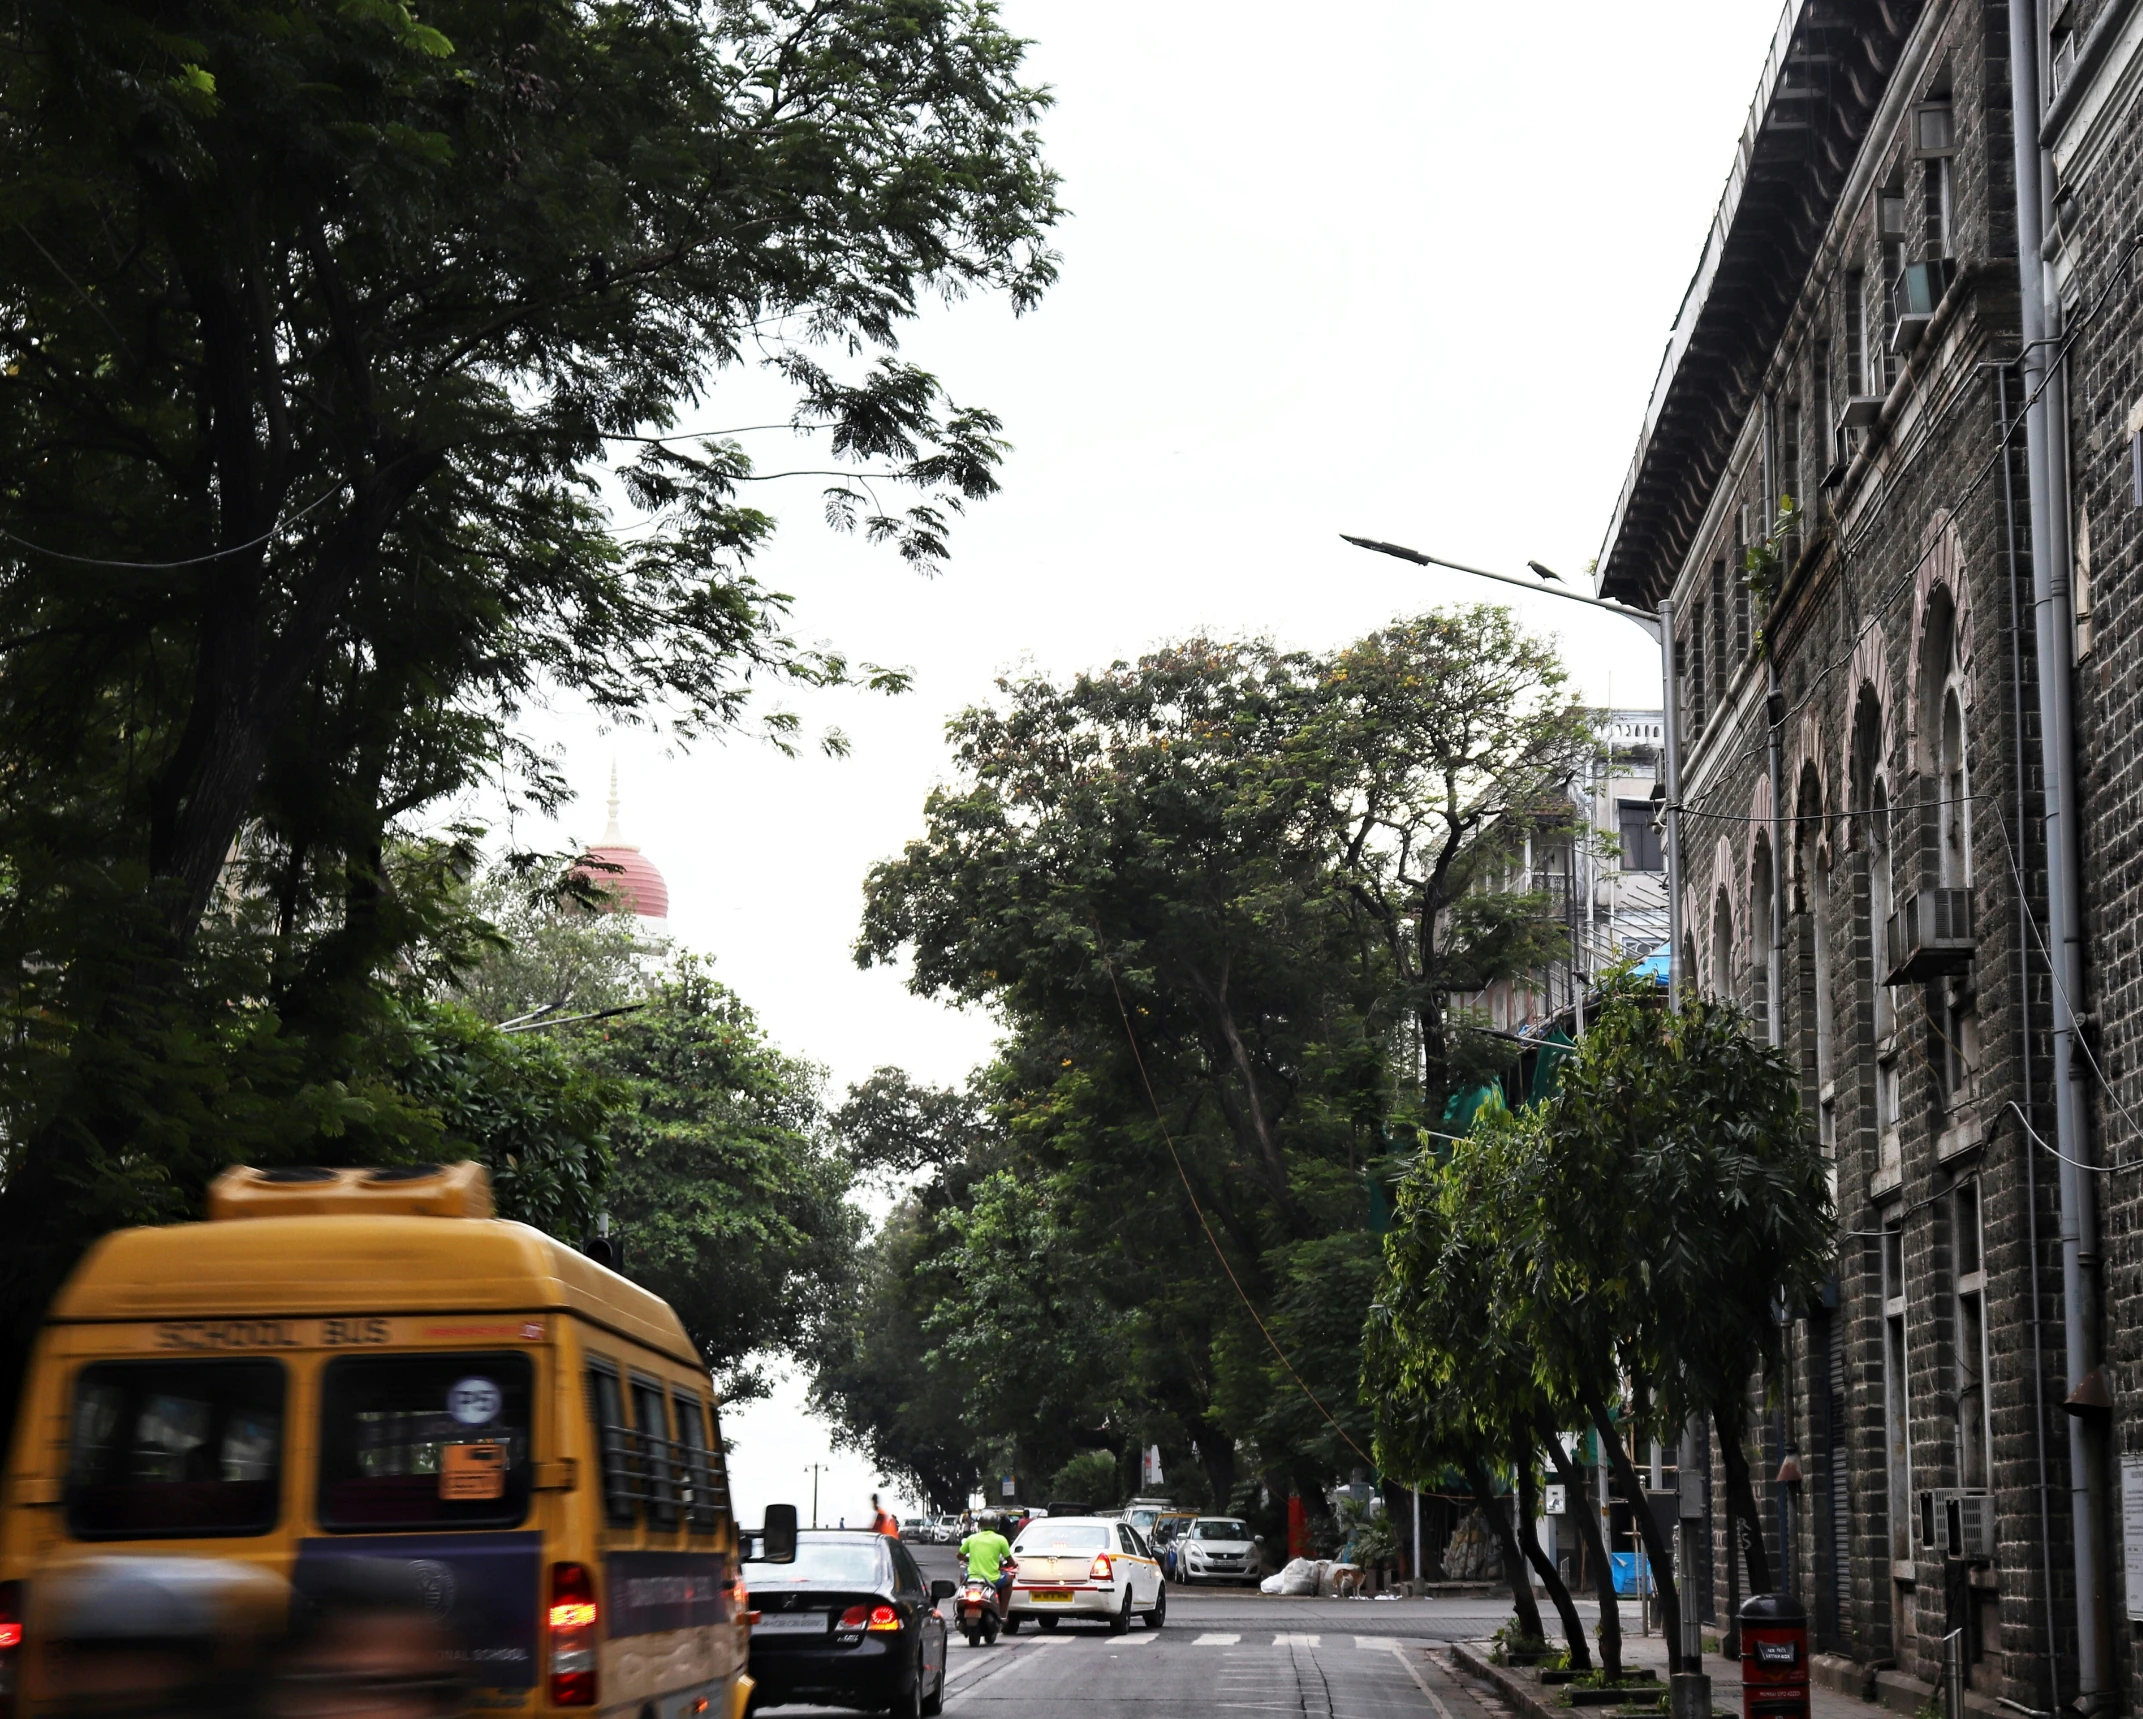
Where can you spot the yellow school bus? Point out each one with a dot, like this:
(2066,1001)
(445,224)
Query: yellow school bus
(367,1364)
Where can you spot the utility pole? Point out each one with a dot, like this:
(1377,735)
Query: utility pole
(815,1470)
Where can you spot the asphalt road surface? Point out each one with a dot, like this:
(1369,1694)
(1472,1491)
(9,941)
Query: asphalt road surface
(1229,1654)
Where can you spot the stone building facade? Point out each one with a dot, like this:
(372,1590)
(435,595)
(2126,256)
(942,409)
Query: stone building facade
(2093,130)
(1863,859)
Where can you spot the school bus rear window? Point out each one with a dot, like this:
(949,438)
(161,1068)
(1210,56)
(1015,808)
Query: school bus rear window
(424,1441)
(175,1449)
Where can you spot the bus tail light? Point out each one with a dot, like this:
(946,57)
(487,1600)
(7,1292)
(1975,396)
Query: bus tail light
(1103,1570)
(572,1620)
(10,1645)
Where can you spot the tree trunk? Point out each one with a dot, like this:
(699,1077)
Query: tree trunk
(1656,1549)
(1499,1524)
(1740,1494)
(1603,1569)
(1522,1454)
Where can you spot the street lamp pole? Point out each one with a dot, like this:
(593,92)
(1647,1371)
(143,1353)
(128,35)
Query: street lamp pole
(1661,629)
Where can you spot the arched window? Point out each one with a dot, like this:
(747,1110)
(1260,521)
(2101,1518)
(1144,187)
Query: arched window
(1819,908)
(1953,1048)
(1763,963)
(1953,785)
(1871,804)
(1880,903)
(1722,946)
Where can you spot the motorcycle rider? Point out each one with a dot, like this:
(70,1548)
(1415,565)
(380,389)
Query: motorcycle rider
(986,1553)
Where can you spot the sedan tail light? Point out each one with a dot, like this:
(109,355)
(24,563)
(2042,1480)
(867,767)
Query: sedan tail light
(1103,1570)
(884,1617)
(573,1618)
(10,1645)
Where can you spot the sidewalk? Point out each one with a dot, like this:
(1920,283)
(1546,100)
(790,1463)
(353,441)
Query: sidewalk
(1532,1700)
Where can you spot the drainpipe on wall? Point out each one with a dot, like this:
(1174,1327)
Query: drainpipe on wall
(2053,629)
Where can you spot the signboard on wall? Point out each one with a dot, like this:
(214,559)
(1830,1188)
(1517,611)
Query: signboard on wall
(2132,1532)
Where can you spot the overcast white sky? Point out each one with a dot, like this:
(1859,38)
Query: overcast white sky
(1401,268)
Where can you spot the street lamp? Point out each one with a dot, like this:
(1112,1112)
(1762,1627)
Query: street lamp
(1660,627)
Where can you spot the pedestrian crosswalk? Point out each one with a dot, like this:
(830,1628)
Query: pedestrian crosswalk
(1222,1638)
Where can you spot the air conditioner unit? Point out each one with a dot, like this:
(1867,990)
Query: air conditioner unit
(1930,935)
(1968,1522)
(1919,290)
(1860,411)
(1934,1521)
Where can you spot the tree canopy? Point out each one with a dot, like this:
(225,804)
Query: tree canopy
(1178,882)
(1618,1253)
(335,335)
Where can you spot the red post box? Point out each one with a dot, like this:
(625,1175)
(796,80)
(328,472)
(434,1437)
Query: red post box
(1774,1658)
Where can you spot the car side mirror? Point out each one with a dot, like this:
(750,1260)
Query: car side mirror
(777,1538)
(1257,1539)
(943,1590)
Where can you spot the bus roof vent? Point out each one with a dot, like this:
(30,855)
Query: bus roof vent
(396,1190)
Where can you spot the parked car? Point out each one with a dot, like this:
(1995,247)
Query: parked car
(1167,1529)
(851,1623)
(1085,1567)
(1217,1549)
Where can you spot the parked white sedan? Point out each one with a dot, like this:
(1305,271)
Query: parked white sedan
(1085,1567)
(1216,1549)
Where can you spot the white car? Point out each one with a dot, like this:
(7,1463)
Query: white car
(1216,1549)
(1085,1567)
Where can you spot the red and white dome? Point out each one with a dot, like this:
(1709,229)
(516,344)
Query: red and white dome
(620,869)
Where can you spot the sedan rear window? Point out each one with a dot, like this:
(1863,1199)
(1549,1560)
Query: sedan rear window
(824,1564)
(1071,1537)
(424,1441)
(175,1449)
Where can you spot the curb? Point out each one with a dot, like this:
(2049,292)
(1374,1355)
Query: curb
(1523,1700)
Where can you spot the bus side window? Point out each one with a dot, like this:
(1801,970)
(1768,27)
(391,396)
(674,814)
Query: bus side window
(704,1493)
(656,1467)
(606,1409)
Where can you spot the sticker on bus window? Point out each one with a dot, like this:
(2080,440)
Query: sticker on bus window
(472,1471)
(474,1402)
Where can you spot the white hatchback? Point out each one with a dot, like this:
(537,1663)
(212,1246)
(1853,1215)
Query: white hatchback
(1216,1549)
(1085,1567)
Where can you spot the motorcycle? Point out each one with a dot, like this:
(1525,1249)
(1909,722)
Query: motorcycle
(979,1618)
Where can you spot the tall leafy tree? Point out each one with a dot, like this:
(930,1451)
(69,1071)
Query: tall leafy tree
(1439,744)
(330,330)
(1727,1200)
(1440,1332)
(728,1195)
(1168,878)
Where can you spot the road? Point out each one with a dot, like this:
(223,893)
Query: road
(1230,1654)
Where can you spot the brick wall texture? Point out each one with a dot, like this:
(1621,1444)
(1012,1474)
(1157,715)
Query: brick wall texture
(1900,650)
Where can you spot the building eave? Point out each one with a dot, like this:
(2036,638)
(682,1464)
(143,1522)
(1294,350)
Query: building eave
(1828,67)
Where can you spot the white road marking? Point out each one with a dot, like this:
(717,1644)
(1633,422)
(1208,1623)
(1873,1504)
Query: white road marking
(1420,1682)
(1296,1640)
(1216,1641)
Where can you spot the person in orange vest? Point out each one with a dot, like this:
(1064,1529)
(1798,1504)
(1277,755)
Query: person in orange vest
(883,1521)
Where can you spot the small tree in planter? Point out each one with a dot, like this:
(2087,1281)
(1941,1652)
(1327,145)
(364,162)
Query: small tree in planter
(1665,1202)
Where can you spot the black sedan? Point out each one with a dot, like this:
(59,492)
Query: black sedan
(852,1623)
